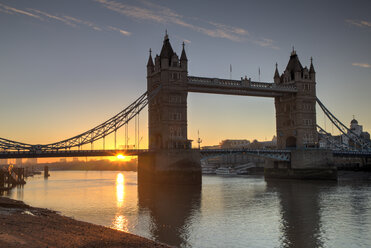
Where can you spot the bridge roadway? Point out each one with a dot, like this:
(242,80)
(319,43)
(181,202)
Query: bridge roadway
(281,155)
(70,153)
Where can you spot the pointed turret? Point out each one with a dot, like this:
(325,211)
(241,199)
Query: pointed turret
(150,65)
(311,69)
(294,64)
(277,79)
(150,60)
(312,72)
(183,56)
(167,50)
(294,67)
(183,59)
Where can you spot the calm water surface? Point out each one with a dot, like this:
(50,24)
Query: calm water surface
(224,212)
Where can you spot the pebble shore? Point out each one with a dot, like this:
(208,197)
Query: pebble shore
(25,226)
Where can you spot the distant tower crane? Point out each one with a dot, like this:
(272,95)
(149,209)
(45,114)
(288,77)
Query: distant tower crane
(199,141)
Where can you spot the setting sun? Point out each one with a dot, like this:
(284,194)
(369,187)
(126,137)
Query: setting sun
(120,156)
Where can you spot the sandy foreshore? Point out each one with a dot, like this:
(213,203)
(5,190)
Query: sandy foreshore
(25,226)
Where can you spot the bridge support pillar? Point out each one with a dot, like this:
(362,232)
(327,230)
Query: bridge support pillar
(317,164)
(170,167)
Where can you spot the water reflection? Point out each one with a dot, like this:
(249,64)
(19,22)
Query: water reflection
(300,212)
(171,208)
(229,212)
(120,221)
(120,189)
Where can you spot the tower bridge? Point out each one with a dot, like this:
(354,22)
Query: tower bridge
(170,158)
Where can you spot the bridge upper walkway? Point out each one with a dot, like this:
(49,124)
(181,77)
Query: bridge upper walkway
(244,87)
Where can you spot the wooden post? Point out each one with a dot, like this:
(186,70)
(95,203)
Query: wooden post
(46,172)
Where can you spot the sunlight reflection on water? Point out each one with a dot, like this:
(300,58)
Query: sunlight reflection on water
(120,222)
(120,189)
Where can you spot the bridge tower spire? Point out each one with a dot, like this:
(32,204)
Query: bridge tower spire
(183,59)
(277,79)
(150,65)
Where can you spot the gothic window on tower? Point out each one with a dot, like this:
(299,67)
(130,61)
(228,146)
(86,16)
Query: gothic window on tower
(175,116)
(307,106)
(307,122)
(175,75)
(308,138)
(306,87)
(175,132)
(175,99)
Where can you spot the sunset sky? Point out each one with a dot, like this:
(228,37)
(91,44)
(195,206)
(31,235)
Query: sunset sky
(67,66)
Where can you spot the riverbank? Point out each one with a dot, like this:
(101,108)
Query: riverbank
(25,226)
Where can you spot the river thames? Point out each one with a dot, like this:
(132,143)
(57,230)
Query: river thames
(223,212)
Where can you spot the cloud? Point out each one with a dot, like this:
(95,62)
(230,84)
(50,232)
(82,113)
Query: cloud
(10,10)
(65,19)
(359,23)
(363,65)
(160,14)
(164,15)
(54,17)
(230,29)
(365,23)
(86,23)
(132,11)
(264,42)
(121,31)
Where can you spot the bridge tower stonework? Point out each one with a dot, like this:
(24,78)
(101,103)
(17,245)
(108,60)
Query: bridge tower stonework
(170,159)
(296,126)
(296,112)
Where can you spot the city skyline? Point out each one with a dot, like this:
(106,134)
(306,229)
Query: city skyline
(67,67)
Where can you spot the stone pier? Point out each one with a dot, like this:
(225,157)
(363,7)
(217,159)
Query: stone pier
(170,167)
(305,164)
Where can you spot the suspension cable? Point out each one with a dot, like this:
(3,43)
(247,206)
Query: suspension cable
(96,133)
(363,144)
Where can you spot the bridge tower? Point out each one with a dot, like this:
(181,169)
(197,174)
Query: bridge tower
(296,112)
(167,113)
(171,159)
(297,127)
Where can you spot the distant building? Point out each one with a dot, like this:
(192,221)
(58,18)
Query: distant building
(272,144)
(336,141)
(211,147)
(230,144)
(356,130)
